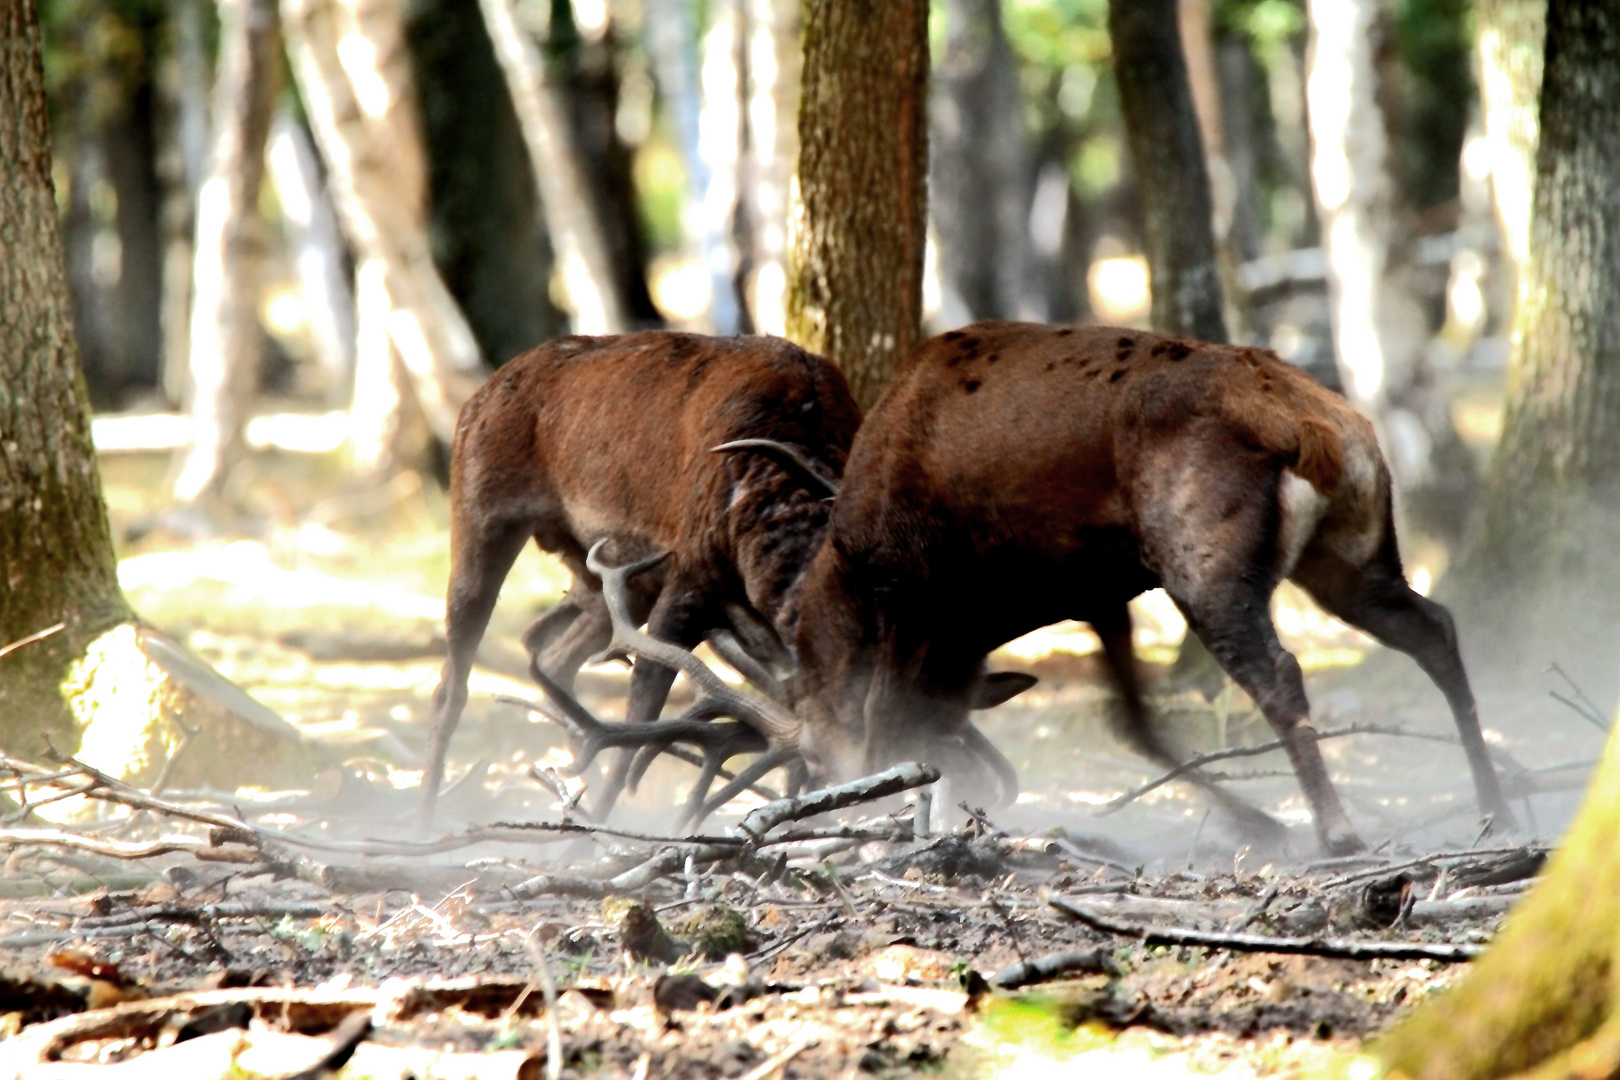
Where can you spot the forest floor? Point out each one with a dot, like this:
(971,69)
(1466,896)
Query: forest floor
(883,953)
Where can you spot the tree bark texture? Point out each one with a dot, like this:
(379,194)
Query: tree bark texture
(1167,152)
(1542,1001)
(982,173)
(572,218)
(1552,504)
(225,280)
(855,283)
(353,71)
(56,551)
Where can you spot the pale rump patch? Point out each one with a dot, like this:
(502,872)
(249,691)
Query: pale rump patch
(1302,509)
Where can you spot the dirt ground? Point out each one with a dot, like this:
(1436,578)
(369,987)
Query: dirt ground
(825,956)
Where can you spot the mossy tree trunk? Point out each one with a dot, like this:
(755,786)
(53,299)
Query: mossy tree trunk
(1543,560)
(56,551)
(855,276)
(1542,1001)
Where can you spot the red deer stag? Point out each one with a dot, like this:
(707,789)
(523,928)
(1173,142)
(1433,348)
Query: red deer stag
(1016,475)
(583,440)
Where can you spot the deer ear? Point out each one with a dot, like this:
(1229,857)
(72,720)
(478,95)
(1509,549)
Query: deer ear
(999,687)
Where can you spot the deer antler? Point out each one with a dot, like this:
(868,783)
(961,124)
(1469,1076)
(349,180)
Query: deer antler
(783,454)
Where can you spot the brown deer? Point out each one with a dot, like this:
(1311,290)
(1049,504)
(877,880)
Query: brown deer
(1015,475)
(608,439)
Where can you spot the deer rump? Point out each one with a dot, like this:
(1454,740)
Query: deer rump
(1016,475)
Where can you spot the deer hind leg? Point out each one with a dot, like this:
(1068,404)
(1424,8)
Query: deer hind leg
(1377,599)
(1219,561)
(1135,725)
(682,616)
(478,565)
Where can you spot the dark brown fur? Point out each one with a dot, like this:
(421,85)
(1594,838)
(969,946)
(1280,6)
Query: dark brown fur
(967,520)
(583,439)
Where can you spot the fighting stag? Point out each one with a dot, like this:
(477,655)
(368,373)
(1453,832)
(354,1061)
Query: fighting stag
(607,440)
(1016,475)
(717,457)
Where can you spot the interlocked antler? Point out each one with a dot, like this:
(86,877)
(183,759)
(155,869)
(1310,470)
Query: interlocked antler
(723,721)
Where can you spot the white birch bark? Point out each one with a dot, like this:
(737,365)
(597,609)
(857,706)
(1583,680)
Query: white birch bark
(317,254)
(773,152)
(353,70)
(1378,328)
(224,315)
(571,218)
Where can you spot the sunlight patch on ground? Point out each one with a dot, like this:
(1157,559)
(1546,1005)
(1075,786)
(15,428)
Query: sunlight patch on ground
(247,567)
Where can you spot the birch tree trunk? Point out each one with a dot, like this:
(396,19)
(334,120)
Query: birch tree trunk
(183,160)
(982,174)
(855,286)
(1379,328)
(316,246)
(571,216)
(1511,39)
(225,294)
(774,61)
(56,551)
(416,360)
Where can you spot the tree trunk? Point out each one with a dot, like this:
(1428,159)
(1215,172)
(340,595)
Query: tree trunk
(1551,516)
(225,294)
(56,551)
(855,287)
(982,174)
(316,247)
(723,148)
(1511,40)
(1542,1000)
(773,152)
(181,166)
(1167,153)
(416,360)
(1379,328)
(565,193)
(106,131)
(489,241)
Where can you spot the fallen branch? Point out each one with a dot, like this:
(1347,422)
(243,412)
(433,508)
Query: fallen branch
(1293,946)
(1055,966)
(902,777)
(1119,802)
(117,849)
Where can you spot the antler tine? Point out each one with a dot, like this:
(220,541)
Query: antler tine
(775,723)
(591,736)
(980,746)
(728,648)
(783,454)
(771,759)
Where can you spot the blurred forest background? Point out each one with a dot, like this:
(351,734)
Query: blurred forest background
(670,132)
(307,230)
